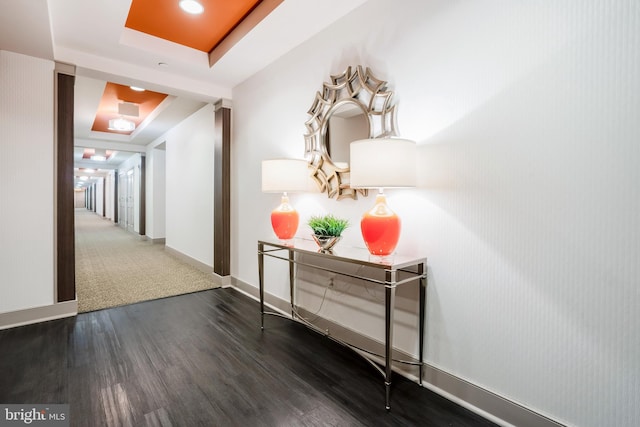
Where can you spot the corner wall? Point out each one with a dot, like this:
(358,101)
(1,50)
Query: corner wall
(526,118)
(189,186)
(26,182)
(156,191)
(100,196)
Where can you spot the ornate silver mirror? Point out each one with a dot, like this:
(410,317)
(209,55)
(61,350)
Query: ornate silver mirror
(354,105)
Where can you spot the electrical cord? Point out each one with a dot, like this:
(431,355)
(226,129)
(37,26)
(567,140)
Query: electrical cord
(316,314)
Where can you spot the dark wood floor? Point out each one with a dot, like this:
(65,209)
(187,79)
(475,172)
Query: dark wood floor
(201,360)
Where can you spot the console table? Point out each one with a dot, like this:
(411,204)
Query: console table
(398,270)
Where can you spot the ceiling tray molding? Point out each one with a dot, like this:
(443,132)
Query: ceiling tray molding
(260,12)
(166,48)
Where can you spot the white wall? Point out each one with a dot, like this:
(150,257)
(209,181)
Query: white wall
(156,191)
(100,189)
(26,182)
(526,116)
(109,189)
(189,186)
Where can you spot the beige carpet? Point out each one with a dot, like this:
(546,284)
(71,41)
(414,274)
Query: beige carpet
(115,267)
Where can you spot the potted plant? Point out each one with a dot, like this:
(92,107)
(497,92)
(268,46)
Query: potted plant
(327,230)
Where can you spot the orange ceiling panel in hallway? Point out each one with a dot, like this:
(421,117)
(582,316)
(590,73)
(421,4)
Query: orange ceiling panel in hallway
(113,95)
(165,19)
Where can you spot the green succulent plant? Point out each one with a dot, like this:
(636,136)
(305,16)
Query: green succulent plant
(327,225)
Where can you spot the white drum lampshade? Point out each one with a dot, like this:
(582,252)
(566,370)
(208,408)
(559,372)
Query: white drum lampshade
(286,176)
(382,163)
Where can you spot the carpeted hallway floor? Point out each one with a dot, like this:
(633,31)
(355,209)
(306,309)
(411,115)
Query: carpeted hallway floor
(115,267)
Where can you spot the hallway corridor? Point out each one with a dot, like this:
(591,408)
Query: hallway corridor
(114,267)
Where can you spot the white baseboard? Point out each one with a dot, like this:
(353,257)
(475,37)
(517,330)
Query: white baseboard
(38,314)
(189,260)
(485,403)
(223,281)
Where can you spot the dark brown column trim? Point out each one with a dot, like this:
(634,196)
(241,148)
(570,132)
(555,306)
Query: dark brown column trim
(222,190)
(104,197)
(116,177)
(65,221)
(143,197)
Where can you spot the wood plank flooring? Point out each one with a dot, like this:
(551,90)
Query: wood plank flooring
(201,359)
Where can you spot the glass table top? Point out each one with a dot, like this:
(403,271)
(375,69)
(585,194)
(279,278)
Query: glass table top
(344,253)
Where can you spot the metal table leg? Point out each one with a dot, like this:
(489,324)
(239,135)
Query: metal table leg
(261,281)
(389,303)
(423,294)
(291,280)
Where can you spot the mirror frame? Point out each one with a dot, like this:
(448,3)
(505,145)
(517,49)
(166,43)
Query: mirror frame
(354,85)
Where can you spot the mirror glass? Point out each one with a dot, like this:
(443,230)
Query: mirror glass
(347,123)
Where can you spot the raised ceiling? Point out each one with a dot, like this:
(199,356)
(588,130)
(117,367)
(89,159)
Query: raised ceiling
(114,96)
(94,37)
(165,19)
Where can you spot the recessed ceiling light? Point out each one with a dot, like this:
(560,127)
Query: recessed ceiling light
(121,124)
(191,6)
(137,89)
(163,64)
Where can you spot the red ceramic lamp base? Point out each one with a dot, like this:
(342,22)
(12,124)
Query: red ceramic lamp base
(284,220)
(380,228)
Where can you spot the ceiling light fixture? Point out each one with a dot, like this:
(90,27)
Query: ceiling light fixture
(99,156)
(192,7)
(136,88)
(121,124)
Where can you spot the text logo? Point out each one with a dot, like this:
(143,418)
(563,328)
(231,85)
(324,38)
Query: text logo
(40,415)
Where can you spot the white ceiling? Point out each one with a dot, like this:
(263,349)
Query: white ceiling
(91,35)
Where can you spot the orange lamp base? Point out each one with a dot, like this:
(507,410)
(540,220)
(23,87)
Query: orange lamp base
(284,220)
(380,228)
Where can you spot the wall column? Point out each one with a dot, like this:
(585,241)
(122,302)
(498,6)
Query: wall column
(65,220)
(142,221)
(116,176)
(104,197)
(222,189)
